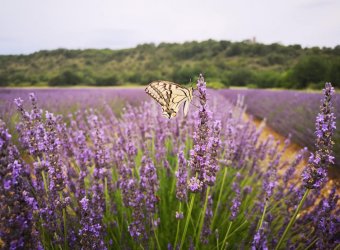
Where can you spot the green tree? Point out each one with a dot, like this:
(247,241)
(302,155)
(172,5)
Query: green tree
(309,69)
(268,79)
(334,73)
(112,80)
(3,80)
(235,49)
(184,74)
(241,77)
(65,78)
(134,77)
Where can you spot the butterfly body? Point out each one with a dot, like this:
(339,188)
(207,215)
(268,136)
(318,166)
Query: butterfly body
(170,96)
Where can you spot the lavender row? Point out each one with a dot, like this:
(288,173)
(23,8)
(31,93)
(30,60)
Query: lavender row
(67,100)
(287,112)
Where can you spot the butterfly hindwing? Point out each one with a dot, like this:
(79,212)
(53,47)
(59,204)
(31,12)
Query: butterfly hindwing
(185,108)
(170,96)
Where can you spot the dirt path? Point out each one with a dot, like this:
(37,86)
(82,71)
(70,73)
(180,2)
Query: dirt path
(292,151)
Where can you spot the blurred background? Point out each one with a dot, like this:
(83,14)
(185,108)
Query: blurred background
(254,44)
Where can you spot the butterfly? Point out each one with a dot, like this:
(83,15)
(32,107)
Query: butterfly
(170,96)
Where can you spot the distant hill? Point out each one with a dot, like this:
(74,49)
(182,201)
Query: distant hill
(224,64)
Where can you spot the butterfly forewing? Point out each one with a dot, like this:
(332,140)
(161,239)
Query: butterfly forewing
(170,96)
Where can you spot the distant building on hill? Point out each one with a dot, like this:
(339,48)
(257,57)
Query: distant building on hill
(251,40)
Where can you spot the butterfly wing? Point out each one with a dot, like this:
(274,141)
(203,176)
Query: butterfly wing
(173,108)
(186,108)
(169,95)
(180,95)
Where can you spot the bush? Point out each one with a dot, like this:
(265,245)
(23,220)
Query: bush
(134,77)
(184,74)
(334,73)
(309,69)
(268,79)
(225,79)
(108,81)
(150,76)
(65,78)
(235,49)
(275,58)
(3,80)
(241,77)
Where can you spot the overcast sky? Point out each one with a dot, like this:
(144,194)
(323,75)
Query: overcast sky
(31,25)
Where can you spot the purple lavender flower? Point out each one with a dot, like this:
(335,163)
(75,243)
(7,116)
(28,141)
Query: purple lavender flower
(16,223)
(181,175)
(199,155)
(41,139)
(92,210)
(327,222)
(36,113)
(203,156)
(83,155)
(270,176)
(131,149)
(149,184)
(195,185)
(229,143)
(125,175)
(292,168)
(260,239)
(179,215)
(136,202)
(31,130)
(56,171)
(236,203)
(214,143)
(316,171)
(247,190)
(91,229)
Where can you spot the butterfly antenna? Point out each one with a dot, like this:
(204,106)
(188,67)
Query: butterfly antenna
(191,83)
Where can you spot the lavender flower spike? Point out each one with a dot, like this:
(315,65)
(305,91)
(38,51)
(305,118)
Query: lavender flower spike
(199,154)
(16,222)
(181,175)
(316,171)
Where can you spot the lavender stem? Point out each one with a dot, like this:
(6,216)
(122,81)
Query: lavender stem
(201,220)
(262,217)
(65,228)
(178,223)
(226,236)
(187,220)
(219,197)
(292,220)
(240,226)
(311,244)
(156,237)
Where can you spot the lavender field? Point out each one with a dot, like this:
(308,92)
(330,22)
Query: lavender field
(102,169)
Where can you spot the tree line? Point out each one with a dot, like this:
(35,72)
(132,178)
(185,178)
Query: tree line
(223,62)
